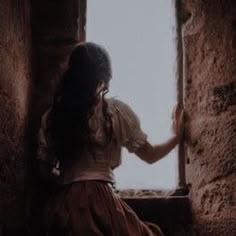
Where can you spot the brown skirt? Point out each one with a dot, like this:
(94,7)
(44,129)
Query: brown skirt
(90,208)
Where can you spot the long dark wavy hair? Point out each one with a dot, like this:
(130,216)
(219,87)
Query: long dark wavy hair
(75,98)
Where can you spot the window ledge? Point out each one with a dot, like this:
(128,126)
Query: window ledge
(172,213)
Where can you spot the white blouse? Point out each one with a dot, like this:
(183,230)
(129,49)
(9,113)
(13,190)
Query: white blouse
(98,161)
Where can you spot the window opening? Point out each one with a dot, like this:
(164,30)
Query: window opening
(141,39)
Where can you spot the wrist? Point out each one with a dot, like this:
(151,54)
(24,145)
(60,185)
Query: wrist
(176,139)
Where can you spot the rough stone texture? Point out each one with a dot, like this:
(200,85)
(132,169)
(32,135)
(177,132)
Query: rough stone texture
(56,29)
(15,70)
(209,40)
(57,26)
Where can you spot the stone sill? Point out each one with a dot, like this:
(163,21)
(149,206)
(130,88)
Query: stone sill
(147,193)
(141,193)
(172,213)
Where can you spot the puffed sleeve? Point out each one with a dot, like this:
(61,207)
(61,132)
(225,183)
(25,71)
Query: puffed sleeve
(47,162)
(43,145)
(127,126)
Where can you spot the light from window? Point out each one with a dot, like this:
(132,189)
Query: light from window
(140,37)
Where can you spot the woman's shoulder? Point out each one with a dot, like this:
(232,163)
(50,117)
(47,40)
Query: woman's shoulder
(120,106)
(126,124)
(122,111)
(115,101)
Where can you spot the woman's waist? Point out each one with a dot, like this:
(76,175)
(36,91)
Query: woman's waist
(103,173)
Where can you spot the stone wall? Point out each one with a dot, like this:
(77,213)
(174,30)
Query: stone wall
(55,30)
(15,70)
(209,41)
(36,38)
(57,26)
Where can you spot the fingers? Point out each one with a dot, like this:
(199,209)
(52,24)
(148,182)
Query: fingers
(174,112)
(177,112)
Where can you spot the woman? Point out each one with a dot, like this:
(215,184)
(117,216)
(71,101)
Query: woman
(80,143)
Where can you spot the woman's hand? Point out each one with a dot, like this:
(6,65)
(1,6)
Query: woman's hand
(178,122)
(152,153)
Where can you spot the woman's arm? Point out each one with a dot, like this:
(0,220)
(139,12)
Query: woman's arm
(152,153)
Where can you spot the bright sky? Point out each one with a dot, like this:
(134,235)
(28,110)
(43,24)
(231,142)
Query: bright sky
(140,37)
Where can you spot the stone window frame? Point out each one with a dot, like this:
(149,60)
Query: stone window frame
(182,188)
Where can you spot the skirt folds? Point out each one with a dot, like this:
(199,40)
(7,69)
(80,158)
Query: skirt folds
(90,208)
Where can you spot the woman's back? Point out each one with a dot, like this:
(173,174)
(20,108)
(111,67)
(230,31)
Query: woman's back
(99,157)
(80,143)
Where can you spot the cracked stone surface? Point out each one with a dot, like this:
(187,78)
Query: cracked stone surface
(209,40)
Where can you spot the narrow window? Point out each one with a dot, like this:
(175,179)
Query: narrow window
(141,39)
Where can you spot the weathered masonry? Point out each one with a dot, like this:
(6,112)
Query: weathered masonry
(36,38)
